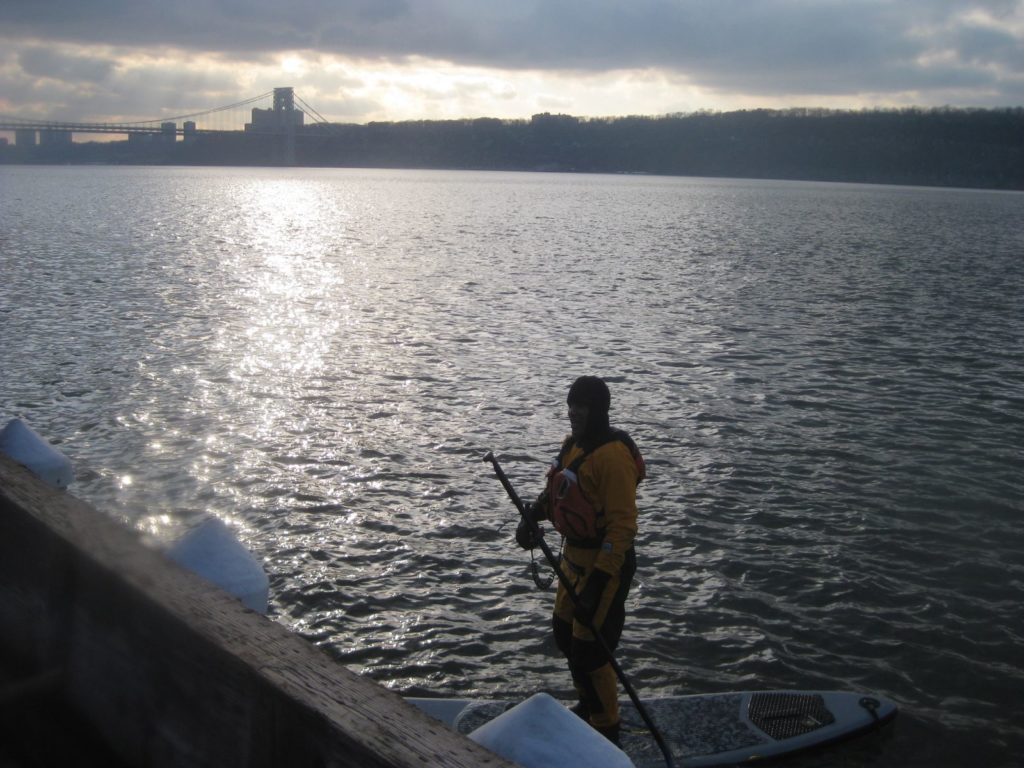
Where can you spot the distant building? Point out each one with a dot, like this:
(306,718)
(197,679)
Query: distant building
(168,133)
(190,131)
(25,137)
(283,118)
(55,138)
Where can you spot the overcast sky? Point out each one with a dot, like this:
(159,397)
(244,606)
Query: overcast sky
(363,60)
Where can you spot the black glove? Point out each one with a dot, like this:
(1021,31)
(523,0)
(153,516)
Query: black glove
(537,511)
(525,536)
(590,597)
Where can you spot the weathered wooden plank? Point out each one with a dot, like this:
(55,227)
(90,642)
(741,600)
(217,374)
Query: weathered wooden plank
(173,671)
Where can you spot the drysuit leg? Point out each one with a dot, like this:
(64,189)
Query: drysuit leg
(592,674)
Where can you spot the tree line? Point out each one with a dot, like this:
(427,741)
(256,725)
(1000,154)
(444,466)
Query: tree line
(930,147)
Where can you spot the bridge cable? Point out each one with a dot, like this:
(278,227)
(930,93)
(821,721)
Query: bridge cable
(200,114)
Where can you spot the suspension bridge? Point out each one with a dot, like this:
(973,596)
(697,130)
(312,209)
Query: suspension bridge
(280,112)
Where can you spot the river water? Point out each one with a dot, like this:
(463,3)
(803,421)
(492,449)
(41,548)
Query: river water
(827,382)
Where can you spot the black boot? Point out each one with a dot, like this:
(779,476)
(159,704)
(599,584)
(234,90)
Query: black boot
(581,710)
(610,732)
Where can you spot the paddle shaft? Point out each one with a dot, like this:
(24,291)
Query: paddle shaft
(589,622)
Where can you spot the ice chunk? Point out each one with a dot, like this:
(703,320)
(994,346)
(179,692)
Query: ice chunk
(19,441)
(212,551)
(541,733)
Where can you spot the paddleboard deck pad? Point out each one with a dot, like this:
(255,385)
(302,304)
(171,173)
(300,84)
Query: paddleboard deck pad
(714,729)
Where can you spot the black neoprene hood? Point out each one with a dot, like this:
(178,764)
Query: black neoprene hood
(592,392)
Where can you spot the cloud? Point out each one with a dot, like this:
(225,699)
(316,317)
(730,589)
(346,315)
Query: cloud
(987,45)
(225,25)
(594,35)
(367,58)
(37,61)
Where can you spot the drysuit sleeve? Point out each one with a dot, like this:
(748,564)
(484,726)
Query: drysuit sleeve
(614,477)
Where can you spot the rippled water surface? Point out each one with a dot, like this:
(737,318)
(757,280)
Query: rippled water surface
(827,381)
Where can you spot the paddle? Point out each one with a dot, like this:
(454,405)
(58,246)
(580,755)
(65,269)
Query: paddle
(589,623)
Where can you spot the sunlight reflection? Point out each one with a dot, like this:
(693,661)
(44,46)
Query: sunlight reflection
(274,355)
(288,282)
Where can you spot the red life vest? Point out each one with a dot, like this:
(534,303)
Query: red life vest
(572,513)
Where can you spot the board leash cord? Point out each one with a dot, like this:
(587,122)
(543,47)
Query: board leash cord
(871,705)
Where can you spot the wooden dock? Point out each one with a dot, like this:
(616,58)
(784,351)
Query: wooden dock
(163,669)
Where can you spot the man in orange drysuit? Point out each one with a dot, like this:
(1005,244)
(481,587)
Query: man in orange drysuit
(591,500)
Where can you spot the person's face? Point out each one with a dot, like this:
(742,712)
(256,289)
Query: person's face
(578,414)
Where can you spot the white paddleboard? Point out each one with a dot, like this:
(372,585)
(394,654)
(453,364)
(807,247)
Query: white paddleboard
(717,728)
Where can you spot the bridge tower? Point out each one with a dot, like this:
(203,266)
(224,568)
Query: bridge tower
(284,99)
(284,120)
(284,107)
